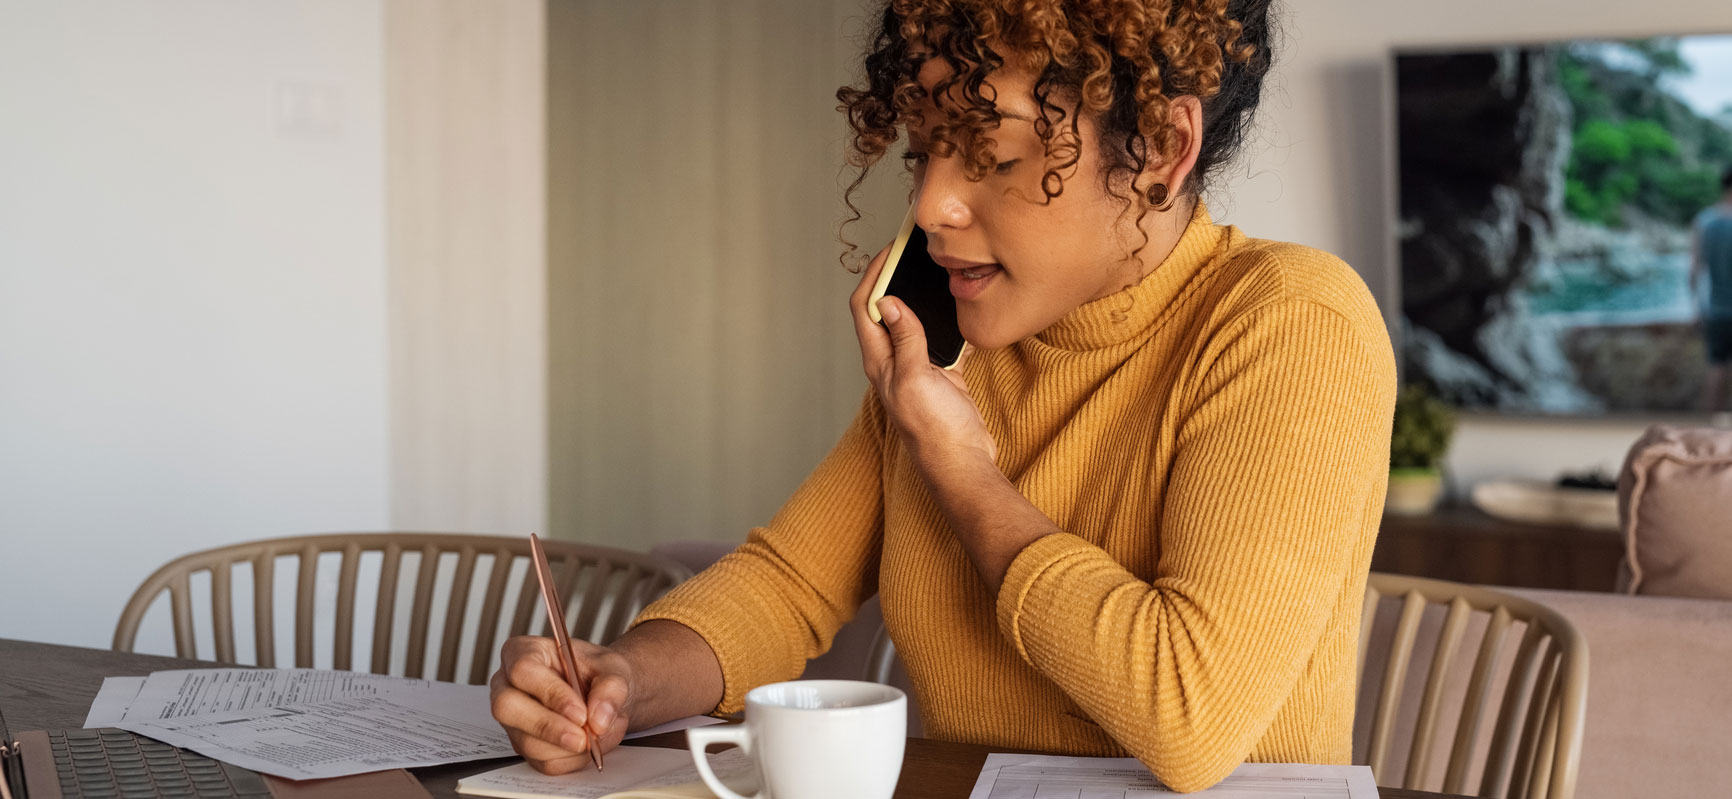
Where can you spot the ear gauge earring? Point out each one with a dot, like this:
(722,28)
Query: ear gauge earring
(1161,198)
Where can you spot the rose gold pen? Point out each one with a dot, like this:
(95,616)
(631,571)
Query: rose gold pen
(561,639)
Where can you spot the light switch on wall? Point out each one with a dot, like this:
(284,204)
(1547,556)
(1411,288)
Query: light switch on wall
(305,110)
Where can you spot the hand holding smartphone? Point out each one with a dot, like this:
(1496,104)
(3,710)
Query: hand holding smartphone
(911,276)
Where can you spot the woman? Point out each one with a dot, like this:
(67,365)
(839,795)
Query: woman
(1138,518)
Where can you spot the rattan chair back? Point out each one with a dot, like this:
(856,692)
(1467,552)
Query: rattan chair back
(1516,718)
(460,578)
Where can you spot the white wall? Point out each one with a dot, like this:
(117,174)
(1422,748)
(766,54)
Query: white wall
(1321,174)
(192,296)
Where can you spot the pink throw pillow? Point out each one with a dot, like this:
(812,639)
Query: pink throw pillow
(1675,503)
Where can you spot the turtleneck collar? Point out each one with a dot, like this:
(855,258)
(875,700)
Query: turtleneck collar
(1126,314)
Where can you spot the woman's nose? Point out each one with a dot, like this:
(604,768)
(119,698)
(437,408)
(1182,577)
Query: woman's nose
(943,202)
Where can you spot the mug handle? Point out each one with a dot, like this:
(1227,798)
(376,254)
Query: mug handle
(699,739)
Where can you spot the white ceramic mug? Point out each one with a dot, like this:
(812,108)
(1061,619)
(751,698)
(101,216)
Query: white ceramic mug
(815,739)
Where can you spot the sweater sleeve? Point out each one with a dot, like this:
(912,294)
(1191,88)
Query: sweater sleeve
(778,600)
(1278,476)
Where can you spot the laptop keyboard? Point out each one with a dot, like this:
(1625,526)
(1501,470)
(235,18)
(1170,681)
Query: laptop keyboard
(109,763)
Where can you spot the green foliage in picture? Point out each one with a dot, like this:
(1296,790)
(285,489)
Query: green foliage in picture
(1423,428)
(1601,145)
(1635,146)
(1646,137)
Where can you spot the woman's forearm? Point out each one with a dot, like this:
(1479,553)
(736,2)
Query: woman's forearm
(675,673)
(992,520)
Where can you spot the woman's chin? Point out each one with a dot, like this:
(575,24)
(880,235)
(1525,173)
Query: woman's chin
(984,336)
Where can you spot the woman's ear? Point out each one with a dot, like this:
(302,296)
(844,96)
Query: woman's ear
(1172,170)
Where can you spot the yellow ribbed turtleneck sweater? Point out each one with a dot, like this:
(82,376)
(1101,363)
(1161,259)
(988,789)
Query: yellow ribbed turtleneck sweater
(1214,441)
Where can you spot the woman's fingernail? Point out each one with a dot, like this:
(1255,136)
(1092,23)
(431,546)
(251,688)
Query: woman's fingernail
(603,717)
(888,310)
(574,742)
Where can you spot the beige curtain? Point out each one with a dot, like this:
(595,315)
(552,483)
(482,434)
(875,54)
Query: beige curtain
(702,359)
(617,311)
(466,264)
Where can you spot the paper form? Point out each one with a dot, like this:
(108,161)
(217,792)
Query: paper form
(1043,776)
(628,767)
(112,700)
(177,706)
(340,736)
(194,692)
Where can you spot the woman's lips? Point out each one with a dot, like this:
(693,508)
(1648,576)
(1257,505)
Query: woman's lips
(967,284)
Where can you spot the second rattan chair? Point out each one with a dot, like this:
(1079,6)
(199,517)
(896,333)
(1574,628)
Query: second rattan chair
(603,588)
(1526,747)
(1535,742)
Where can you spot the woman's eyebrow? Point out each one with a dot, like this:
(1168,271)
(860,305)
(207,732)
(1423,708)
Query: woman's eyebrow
(1018,113)
(1015,113)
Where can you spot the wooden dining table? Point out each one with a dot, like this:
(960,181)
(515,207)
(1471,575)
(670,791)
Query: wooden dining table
(48,686)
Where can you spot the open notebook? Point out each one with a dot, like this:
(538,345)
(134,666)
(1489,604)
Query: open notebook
(633,772)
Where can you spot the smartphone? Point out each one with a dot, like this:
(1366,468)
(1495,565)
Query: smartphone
(911,276)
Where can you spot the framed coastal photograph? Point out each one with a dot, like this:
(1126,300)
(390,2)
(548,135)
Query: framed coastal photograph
(1548,194)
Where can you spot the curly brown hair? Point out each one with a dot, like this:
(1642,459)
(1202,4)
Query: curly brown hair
(1120,61)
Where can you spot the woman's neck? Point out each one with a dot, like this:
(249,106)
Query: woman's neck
(1163,231)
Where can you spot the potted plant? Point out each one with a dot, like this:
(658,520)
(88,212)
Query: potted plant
(1420,439)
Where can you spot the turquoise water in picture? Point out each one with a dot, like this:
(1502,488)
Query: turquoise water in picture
(1584,292)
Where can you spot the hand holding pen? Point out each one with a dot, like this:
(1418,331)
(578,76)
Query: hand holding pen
(561,639)
(563,702)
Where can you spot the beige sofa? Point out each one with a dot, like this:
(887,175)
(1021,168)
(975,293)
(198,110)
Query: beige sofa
(1659,720)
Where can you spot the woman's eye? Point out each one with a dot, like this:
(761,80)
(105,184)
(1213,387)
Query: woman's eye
(912,158)
(1004,167)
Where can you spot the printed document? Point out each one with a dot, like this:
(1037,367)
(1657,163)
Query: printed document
(1030,776)
(112,700)
(195,692)
(295,723)
(340,736)
(192,692)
